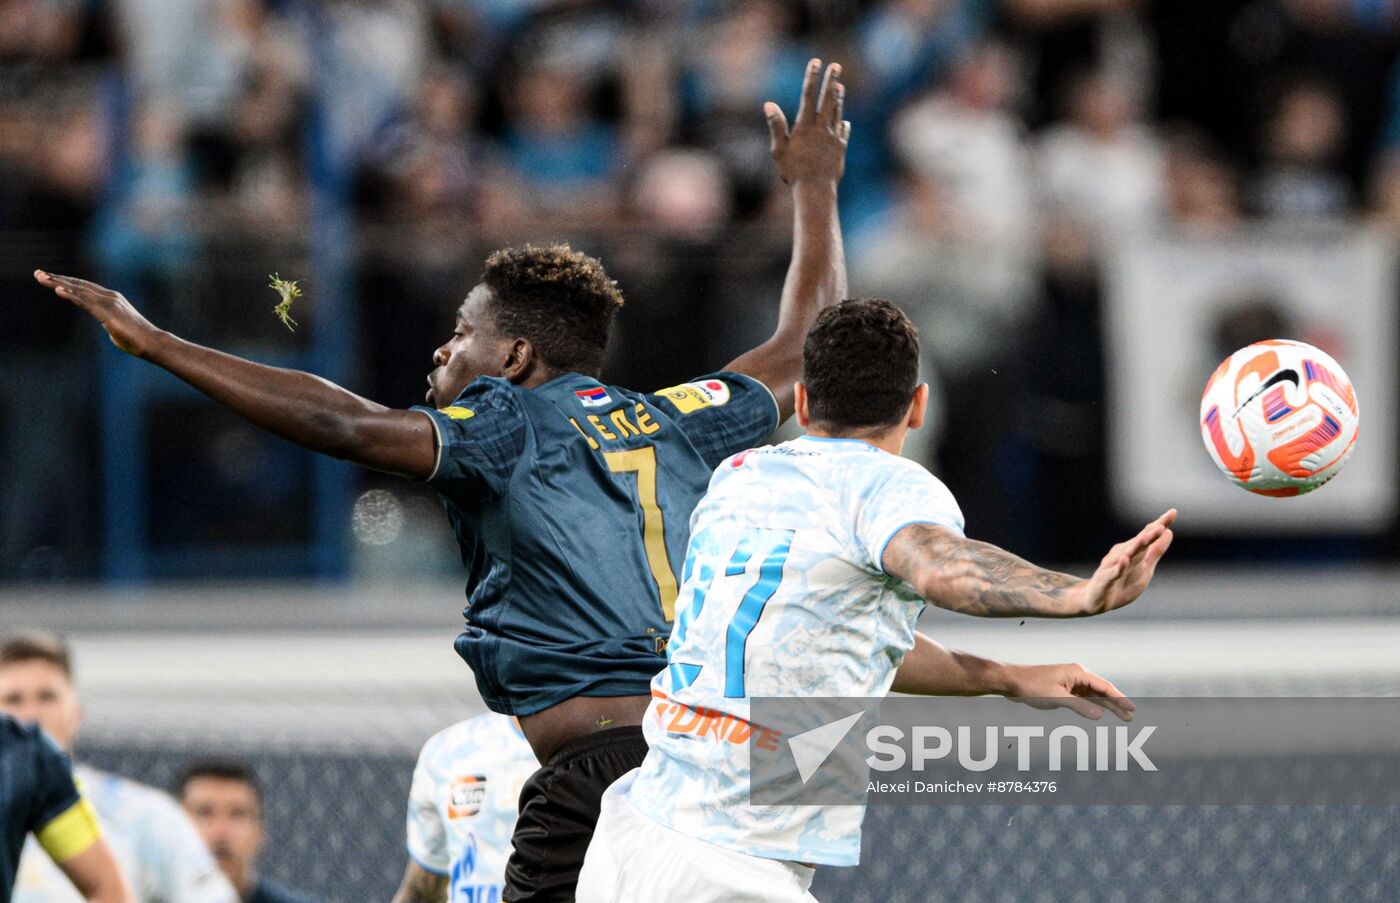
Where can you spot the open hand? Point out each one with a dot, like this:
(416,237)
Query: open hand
(814,149)
(1128,567)
(127,329)
(1068,687)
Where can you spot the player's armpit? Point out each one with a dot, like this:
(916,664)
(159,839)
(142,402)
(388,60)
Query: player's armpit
(95,874)
(393,441)
(977,578)
(421,886)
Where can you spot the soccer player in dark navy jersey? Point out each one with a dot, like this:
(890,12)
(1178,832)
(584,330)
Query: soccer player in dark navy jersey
(570,498)
(38,796)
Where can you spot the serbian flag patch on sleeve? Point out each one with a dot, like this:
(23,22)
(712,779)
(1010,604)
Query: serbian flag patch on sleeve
(593,398)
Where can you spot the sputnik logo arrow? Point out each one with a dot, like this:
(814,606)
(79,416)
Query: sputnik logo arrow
(812,748)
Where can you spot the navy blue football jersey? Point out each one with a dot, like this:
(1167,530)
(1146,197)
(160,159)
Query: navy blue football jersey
(571,502)
(37,793)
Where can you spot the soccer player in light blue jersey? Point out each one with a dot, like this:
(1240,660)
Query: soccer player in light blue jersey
(156,846)
(809,564)
(462,810)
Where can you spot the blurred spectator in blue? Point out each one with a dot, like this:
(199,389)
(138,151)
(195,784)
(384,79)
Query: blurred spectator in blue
(144,231)
(1103,167)
(506,15)
(563,155)
(190,52)
(1300,153)
(902,47)
(905,42)
(368,58)
(733,64)
(430,170)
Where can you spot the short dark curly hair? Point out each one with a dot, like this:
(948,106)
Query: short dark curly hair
(860,365)
(560,299)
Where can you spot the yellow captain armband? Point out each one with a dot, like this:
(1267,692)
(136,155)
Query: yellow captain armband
(71,833)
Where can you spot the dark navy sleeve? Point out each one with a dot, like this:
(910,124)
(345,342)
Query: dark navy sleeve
(53,782)
(480,437)
(721,414)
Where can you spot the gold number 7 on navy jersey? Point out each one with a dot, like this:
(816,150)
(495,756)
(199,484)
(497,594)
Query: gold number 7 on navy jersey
(642,462)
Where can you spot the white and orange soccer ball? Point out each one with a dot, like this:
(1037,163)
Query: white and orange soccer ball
(1279,418)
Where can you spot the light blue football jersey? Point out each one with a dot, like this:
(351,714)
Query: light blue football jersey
(464,802)
(156,845)
(783,595)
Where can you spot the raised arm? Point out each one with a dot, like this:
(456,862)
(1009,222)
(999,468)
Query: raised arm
(977,578)
(932,669)
(811,158)
(299,407)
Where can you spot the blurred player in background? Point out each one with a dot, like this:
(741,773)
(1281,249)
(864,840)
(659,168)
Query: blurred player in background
(570,498)
(809,565)
(224,800)
(462,810)
(38,796)
(158,849)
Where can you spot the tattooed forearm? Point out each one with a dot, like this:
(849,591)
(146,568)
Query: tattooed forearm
(977,578)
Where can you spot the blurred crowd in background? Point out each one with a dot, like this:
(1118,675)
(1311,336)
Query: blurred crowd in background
(179,151)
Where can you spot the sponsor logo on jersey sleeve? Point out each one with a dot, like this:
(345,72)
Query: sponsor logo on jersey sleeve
(457,412)
(468,795)
(596,397)
(691,397)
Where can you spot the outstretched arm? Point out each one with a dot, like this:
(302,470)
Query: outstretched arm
(977,578)
(932,669)
(811,158)
(299,407)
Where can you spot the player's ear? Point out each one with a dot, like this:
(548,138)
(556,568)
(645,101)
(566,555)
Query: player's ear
(918,406)
(803,417)
(520,360)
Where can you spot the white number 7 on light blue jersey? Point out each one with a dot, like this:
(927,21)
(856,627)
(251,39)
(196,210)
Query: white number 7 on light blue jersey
(771,548)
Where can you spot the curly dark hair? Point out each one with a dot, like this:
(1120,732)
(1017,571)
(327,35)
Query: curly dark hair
(560,299)
(860,365)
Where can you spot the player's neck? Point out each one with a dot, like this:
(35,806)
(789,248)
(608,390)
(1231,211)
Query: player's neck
(539,376)
(891,441)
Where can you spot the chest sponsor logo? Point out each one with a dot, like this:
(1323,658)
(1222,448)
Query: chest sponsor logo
(468,795)
(593,398)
